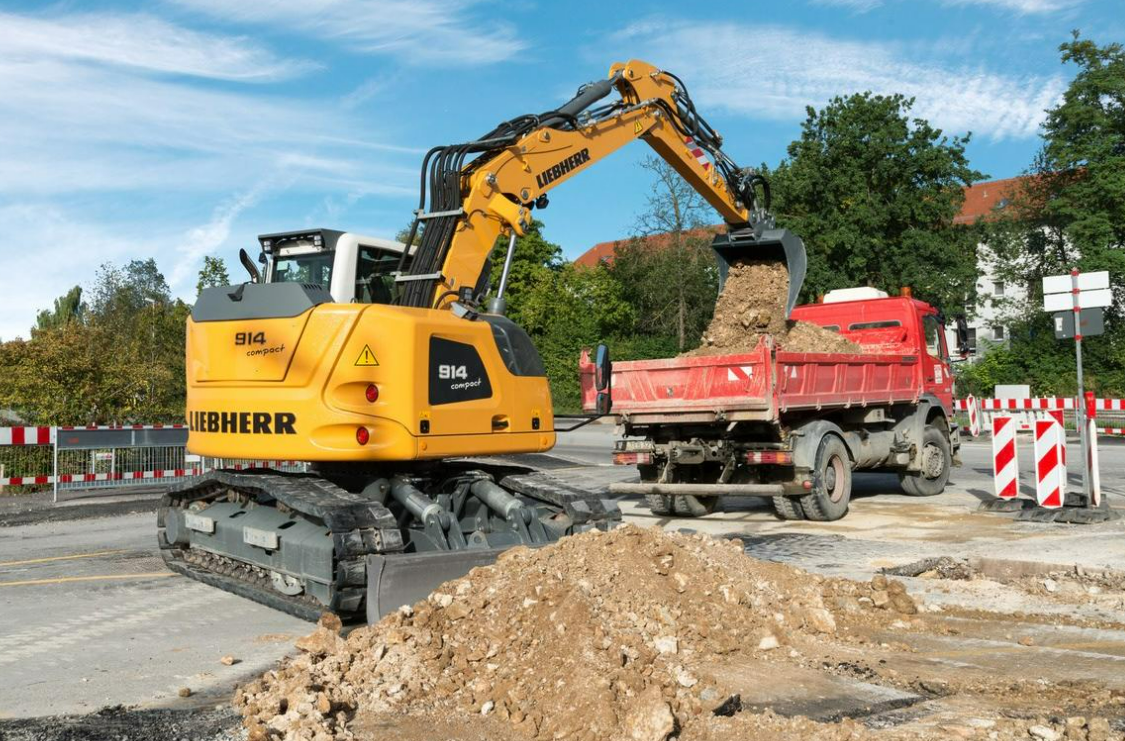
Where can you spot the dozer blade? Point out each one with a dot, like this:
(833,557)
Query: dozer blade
(766,244)
(401,579)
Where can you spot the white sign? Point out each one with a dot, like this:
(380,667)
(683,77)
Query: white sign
(1086,300)
(1086,282)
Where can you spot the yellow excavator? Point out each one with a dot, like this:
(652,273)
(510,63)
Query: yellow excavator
(393,372)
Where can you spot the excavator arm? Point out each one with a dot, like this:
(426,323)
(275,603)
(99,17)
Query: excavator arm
(482,189)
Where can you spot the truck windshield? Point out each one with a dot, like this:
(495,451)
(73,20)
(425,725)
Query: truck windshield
(311,267)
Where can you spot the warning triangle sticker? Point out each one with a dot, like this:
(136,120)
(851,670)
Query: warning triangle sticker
(366,357)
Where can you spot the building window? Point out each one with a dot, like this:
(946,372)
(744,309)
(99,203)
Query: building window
(998,288)
(998,333)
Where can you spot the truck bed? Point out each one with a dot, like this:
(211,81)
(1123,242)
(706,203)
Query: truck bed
(760,385)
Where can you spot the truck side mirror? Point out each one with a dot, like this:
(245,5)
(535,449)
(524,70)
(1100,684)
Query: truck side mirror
(603,379)
(603,368)
(962,335)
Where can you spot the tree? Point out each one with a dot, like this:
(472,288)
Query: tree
(1068,212)
(68,308)
(873,193)
(668,271)
(533,259)
(213,273)
(124,362)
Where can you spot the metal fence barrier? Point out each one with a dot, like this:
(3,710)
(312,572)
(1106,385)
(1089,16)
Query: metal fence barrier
(92,459)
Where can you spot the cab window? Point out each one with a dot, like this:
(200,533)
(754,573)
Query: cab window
(374,282)
(934,338)
(311,267)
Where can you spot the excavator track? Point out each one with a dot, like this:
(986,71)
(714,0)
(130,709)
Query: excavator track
(304,545)
(355,526)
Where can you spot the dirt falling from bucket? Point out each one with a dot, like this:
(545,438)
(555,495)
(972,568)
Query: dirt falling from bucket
(752,305)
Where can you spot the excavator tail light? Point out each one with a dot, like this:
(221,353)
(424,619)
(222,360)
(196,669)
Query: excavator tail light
(372,393)
(362,436)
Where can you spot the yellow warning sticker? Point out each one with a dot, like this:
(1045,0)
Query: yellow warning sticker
(366,357)
(637,127)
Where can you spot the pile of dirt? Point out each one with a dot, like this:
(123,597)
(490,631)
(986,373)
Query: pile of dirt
(602,635)
(751,305)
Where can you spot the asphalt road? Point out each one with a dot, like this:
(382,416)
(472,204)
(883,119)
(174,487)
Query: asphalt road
(92,619)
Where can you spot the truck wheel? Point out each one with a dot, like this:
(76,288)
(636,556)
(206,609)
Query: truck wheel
(788,508)
(936,464)
(832,481)
(659,504)
(687,505)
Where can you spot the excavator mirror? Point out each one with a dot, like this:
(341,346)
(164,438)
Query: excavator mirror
(603,368)
(765,244)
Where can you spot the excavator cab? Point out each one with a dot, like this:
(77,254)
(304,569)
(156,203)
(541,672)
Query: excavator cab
(352,267)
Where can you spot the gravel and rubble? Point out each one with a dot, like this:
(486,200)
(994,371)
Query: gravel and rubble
(752,305)
(621,635)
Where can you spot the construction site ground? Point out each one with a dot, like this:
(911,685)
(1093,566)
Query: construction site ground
(97,640)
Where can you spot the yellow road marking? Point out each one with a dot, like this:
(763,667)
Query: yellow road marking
(62,558)
(63,579)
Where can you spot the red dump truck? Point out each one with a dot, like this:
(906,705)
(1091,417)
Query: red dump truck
(786,425)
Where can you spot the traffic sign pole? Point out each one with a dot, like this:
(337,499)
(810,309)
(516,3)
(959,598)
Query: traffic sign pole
(1079,407)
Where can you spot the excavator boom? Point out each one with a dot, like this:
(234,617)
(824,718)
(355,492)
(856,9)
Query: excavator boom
(480,189)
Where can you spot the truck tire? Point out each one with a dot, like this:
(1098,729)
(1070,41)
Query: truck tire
(788,508)
(659,504)
(832,481)
(937,460)
(687,505)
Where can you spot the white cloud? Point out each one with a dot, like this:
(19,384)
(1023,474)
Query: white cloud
(415,31)
(142,42)
(1022,7)
(114,135)
(785,70)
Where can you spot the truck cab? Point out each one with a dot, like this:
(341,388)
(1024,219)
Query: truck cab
(872,318)
(352,267)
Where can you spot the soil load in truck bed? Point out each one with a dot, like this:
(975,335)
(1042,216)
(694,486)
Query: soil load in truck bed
(752,304)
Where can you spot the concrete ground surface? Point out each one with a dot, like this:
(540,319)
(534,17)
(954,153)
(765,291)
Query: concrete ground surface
(92,620)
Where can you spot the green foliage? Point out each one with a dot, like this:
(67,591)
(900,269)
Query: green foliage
(68,308)
(1069,212)
(533,260)
(873,193)
(213,273)
(124,363)
(672,288)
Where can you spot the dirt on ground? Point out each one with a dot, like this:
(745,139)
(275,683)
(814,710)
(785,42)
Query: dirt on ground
(632,634)
(752,305)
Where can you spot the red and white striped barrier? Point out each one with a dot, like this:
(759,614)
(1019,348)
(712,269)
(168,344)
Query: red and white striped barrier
(1040,403)
(27,435)
(1005,460)
(126,427)
(261,464)
(1054,406)
(971,407)
(73,478)
(1050,464)
(76,478)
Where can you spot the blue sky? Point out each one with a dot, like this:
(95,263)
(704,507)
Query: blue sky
(182,128)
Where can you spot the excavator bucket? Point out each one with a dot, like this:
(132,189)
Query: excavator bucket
(766,244)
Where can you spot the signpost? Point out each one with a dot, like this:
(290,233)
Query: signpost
(1079,299)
